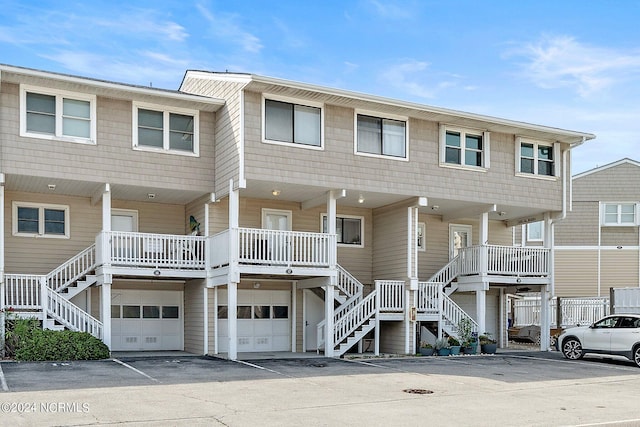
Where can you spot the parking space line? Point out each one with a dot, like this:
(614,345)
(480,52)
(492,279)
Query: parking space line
(126,365)
(610,423)
(253,365)
(3,381)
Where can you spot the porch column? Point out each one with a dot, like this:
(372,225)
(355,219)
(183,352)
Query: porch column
(205,320)
(483,241)
(232,317)
(106,208)
(545,323)
(329,296)
(481,310)
(105,309)
(234,221)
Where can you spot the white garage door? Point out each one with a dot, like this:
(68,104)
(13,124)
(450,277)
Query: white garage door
(146,320)
(263,320)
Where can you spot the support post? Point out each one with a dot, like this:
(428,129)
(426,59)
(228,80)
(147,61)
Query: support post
(407,320)
(205,319)
(484,241)
(377,327)
(106,208)
(329,296)
(545,330)
(216,348)
(481,310)
(559,319)
(294,310)
(105,312)
(232,315)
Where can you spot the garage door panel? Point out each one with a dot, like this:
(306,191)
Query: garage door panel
(142,326)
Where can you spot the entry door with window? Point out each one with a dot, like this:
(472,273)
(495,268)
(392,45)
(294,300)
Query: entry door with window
(459,237)
(127,221)
(278,246)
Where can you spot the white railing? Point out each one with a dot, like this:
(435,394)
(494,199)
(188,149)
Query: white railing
(290,248)
(447,273)
(219,249)
(348,284)
(508,260)
(583,311)
(454,314)
(70,315)
(429,297)
(72,269)
(22,291)
(356,317)
(121,248)
(501,260)
(392,295)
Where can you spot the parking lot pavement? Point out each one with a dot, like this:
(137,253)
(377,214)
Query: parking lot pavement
(504,389)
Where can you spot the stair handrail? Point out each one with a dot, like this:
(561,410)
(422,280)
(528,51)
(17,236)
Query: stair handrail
(69,314)
(447,273)
(354,318)
(73,269)
(347,283)
(453,313)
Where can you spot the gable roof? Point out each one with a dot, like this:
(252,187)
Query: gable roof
(626,160)
(356,100)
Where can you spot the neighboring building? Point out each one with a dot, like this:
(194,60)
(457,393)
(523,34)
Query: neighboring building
(597,247)
(245,213)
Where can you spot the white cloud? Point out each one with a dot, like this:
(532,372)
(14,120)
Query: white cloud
(561,61)
(391,10)
(224,26)
(411,77)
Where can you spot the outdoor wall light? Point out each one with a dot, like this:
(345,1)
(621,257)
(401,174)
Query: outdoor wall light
(275,192)
(151,195)
(256,285)
(156,272)
(51,187)
(361,199)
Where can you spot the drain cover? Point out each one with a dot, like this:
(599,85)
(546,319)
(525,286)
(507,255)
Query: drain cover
(417,391)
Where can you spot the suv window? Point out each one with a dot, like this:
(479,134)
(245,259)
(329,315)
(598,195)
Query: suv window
(609,322)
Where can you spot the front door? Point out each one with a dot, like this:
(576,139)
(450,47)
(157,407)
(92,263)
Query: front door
(314,314)
(278,248)
(459,237)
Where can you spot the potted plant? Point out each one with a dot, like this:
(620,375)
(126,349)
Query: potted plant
(442,347)
(487,344)
(426,349)
(454,345)
(467,336)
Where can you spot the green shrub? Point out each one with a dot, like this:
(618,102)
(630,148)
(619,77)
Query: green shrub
(61,345)
(25,340)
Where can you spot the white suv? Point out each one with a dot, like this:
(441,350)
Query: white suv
(616,335)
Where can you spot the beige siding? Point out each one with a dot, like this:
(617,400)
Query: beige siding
(390,244)
(580,227)
(336,165)
(436,255)
(576,273)
(30,255)
(392,337)
(112,159)
(194,317)
(617,184)
(227,127)
(618,269)
(620,236)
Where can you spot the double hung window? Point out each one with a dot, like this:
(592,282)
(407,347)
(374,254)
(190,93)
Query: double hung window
(620,214)
(536,158)
(464,147)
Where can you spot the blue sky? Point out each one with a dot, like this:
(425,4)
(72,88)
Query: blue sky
(568,64)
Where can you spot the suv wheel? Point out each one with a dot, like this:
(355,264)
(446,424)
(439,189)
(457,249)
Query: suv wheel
(572,349)
(636,355)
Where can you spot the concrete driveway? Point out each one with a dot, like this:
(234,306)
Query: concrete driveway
(504,389)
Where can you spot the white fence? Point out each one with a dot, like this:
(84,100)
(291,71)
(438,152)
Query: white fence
(626,300)
(573,311)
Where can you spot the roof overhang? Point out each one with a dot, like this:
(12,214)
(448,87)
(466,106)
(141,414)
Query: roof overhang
(13,74)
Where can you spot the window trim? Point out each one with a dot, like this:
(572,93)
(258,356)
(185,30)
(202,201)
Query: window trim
(41,224)
(293,101)
(536,143)
(59,95)
(377,115)
(636,217)
(166,114)
(486,147)
(343,216)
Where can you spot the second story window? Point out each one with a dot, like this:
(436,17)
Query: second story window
(464,147)
(65,116)
(620,214)
(349,229)
(381,136)
(172,131)
(536,158)
(292,123)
